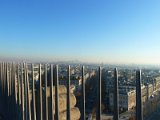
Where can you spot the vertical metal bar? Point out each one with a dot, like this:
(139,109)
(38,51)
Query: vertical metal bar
(8,82)
(4,78)
(7,88)
(1,75)
(116,96)
(52,103)
(25,91)
(14,91)
(9,73)
(22,93)
(11,89)
(33,94)
(1,78)
(19,85)
(13,80)
(68,95)
(46,98)
(28,94)
(40,93)
(15,84)
(56,93)
(139,111)
(9,76)
(98,116)
(83,95)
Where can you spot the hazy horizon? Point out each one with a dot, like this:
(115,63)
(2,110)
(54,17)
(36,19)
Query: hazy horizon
(115,32)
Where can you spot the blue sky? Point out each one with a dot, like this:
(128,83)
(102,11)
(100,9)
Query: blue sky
(108,31)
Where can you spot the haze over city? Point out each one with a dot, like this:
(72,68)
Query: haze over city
(89,31)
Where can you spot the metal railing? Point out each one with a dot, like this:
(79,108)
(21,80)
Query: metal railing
(15,93)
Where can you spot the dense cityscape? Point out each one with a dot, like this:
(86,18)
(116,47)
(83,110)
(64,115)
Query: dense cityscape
(150,89)
(127,89)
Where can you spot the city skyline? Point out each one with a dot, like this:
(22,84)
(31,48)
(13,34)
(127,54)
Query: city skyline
(89,31)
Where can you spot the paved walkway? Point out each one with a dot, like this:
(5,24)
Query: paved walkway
(1,107)
(155,115)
